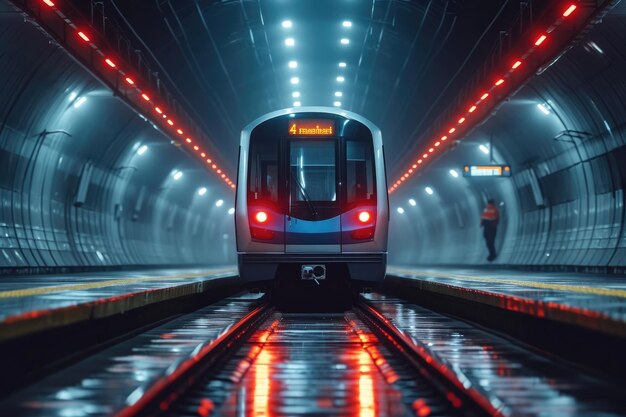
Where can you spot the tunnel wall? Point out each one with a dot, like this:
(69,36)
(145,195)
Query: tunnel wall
(564,205)
(76,191)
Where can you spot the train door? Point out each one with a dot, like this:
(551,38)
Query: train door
(313,221)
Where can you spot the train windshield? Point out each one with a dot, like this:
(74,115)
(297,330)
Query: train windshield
(312,165)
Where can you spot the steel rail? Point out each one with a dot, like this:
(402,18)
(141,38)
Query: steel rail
(461,393)
(178,378)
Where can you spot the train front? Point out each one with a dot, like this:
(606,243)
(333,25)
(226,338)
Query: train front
(312,204)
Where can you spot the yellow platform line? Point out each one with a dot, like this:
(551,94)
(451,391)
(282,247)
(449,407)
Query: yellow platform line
(29,292)
(582,289)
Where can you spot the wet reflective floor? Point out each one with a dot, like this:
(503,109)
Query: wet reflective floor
(313,365)
(22,295)
(320,365)
(592,292)
(103,384)
(524,382)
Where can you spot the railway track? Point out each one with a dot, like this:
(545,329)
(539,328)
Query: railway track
(273,363)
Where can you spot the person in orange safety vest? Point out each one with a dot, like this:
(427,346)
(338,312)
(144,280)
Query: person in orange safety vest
(489,222)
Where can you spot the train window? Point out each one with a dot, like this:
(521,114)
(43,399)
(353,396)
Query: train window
(360,184)
(312,170)
(263,174)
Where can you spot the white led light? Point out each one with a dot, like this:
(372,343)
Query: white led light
(400,210)
(295,80)
(429,190)
(412,202)
(219,203)
(142,149)
(454,173)
(347,24)
(202,191)
(72,96)
(231,211)
(297,104)
(338,94)
(342,65)
(337,104)
(295,94)
(80,102)
(177,175)
(344,41)
(544,108)
(340,79)
(287,24)
(290,42)
(293,64)
(484,149)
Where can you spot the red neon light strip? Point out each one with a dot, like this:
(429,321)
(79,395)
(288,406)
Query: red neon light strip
(540,40)
(569,10)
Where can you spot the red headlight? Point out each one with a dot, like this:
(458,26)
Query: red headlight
(364,217)
(261,217)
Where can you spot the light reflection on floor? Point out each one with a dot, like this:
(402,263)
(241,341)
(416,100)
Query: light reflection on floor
(314,366)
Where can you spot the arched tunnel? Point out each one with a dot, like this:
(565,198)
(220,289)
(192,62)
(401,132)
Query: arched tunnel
(120,157)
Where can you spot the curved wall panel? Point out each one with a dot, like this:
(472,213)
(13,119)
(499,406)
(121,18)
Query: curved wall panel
(84,180)
(564,205)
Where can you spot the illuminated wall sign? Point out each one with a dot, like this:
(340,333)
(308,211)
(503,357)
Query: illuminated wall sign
(487,171)
(307,127)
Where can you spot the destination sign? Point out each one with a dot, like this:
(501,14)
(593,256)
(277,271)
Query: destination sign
(487,171)
(311,127)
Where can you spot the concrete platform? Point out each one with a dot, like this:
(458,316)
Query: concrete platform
(29,304)
(594,302)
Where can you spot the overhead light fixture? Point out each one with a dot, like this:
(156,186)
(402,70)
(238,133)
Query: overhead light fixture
(293,64)
(342,65)
(72,96)
(287,24)
(454,173)
(412,202)
(544,108)
(80,102)
(177,175)
(344,41)
(295,94)
(429,190)
(295,80)
(346,24)
(142,149)
(290,42)
(340,79)
(338,94)
(231,211)
(297,104)
(484,149)
(202,191)
(219,203)
(400,210)
(337,104)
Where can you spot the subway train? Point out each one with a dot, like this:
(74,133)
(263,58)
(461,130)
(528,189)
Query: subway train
(311,204)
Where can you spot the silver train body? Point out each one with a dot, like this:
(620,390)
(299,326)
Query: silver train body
(311,199)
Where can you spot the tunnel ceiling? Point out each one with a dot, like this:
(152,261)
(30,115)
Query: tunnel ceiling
(405,60)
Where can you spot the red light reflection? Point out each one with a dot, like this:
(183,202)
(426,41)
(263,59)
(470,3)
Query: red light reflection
(367,401)
(262,386)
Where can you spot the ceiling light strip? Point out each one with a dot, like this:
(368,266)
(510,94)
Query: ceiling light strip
(141,98)
(481,99)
